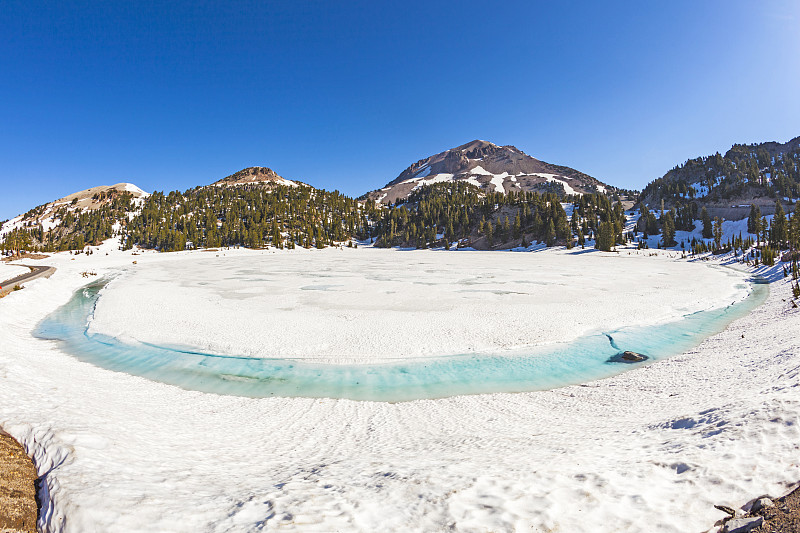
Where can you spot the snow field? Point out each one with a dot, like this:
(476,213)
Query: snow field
(8,271)
(381,305)
(651,449)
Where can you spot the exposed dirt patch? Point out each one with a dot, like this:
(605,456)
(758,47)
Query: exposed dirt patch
(18,508)
(784,517)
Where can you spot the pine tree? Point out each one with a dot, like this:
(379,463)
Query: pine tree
(550,234)
(708,230)
(717,231)
(779,230)
(668,230)
(754,220)
(794,230)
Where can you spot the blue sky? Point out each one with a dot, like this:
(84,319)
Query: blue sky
(345,95)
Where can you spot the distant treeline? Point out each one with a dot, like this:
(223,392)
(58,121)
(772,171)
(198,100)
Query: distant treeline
(256,216)
(745,170)
(440,215)
(248,215)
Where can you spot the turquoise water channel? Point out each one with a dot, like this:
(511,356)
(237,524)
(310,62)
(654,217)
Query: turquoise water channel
(548,367)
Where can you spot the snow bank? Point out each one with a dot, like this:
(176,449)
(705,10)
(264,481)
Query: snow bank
(551,178)
(11,271)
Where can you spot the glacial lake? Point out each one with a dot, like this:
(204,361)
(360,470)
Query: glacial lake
(551,366)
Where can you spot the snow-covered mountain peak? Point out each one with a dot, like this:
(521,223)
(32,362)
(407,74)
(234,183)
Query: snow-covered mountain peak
(491,167)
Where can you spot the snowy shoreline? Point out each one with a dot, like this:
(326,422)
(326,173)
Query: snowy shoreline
(716,425)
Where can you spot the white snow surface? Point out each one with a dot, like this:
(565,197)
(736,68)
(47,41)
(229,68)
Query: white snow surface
(497,181)
(652,449)
(380,304)
(11,225)
(730,229)
(8,271)
(130,187)
(556,178)
(480,171)
(423,177)
(422,172)
(473,181)
(430,179)
(699,190)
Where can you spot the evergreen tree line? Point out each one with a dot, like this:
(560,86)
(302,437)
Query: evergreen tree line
(782,233)
(745,169)
(70,227)
(248,215)
(597,218)
(443,213)
(256,216)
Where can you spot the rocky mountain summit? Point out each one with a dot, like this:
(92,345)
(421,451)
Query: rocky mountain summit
(255,176)
(491,167)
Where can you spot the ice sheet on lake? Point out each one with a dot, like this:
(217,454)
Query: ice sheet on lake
(386,305)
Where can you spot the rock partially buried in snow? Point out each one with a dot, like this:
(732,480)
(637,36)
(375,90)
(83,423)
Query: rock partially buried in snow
(742,525)
(627,357)
(761,503)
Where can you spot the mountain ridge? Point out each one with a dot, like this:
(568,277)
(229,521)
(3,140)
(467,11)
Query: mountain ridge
(757,174)
(49,214)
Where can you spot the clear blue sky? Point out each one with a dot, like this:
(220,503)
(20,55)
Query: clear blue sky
(345,95)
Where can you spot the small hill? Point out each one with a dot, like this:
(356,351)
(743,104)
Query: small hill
(104,204)
(256,176)
(490,167)
(748,174)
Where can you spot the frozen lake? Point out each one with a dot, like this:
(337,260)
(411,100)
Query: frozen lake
(516,369)
(653,448)
(371,306)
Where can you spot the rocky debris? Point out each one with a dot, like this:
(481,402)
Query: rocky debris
(627,357)
(18,508)
(742,525)
(761,503)
(764,515)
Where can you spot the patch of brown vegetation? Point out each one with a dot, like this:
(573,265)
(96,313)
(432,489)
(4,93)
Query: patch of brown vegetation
(18,509)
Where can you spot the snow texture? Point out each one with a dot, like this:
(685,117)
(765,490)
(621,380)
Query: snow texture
(11,271)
